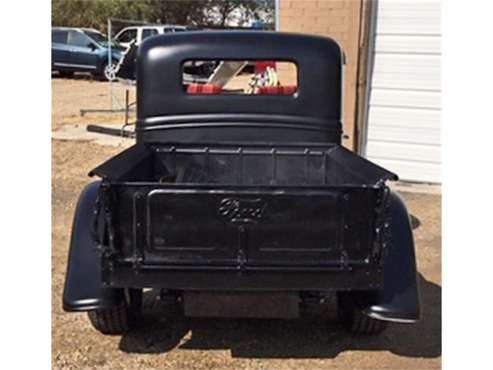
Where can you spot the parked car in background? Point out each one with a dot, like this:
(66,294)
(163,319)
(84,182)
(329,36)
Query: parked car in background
(139,33)
(82,50)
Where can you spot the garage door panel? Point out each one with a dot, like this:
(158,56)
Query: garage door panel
(409,44)
(410,171)
(405,98)
(404,151)
(422,135)
(404,117)
(416,72)
(408,17)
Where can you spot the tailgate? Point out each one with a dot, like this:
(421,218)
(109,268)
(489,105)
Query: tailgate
(270,227)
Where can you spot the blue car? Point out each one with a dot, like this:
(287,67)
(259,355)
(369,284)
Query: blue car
(82,50)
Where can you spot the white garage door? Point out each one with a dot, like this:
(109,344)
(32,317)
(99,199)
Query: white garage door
(403,127)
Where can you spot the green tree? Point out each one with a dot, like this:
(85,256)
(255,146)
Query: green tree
(223,12)
(95,13)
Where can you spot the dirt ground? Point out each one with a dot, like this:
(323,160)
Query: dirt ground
(166,339)
(69,96)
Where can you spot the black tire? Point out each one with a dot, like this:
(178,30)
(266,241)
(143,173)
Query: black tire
(118,320)
(355,320)
(66,74)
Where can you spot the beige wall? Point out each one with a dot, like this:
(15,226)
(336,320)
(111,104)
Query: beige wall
(339,20)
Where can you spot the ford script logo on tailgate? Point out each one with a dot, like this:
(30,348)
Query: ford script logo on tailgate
(236,210)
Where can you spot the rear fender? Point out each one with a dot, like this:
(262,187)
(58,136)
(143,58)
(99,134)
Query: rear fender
(83,289)
(399,300)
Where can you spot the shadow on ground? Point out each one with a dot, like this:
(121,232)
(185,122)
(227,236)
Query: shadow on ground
(80,76)
(313,336)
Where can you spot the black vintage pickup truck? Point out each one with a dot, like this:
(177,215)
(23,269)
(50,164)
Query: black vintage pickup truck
(230,198)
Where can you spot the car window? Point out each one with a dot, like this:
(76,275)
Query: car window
(78,39)
(60,37)
(127,35)
(148,32)
(166,30)
(102,40)
(179,30)
(98,37)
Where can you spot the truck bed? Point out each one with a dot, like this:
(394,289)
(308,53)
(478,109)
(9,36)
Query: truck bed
(242,208)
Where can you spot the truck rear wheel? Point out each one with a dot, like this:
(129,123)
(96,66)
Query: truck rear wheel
(120,319)
(355,320)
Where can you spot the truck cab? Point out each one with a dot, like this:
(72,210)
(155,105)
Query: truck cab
(140,33)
